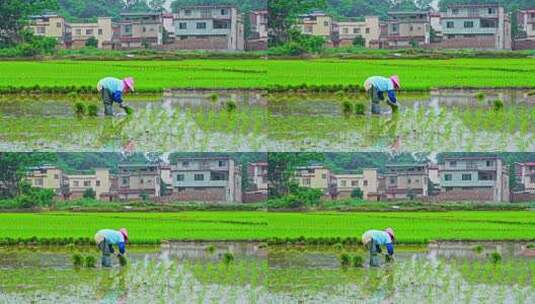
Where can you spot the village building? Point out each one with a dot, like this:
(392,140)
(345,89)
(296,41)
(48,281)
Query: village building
(526,30)
(49,25)
(406,181)
(101,30)
(367,182)
(474,179)
(405,29)
(257,190)
(136,181)
(207,179)
(315,177)
(317,23)
(348,31)
(258,38)
(140,30)
(209,27)
(476,26)
(46,177)
(77,184)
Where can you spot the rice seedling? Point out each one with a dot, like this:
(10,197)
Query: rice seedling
(347,107)
(80,108)
(480,96)
(495,257)
(478,249)
(231,106)
(89,261)
(497,105)
(345,259)
(357,261)
(92,110)
(122,260)
(77,260)
(228,258)
(210,249)
(360,108)
(214,97)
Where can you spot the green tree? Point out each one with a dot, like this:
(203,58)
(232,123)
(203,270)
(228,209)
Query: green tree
(157,5)
(357,193)
(14,17)
(13,167)
(91,42)
(359,41)
(144,196)
(90,193)
(281,167)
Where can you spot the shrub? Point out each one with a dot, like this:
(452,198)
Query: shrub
(360,108)
(90,193)
(357,193)
(144,196)
(228,258)
(359,41)
(345,259)
(92,110)
(91,42)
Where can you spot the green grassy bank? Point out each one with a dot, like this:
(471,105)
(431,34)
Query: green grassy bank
(411,227)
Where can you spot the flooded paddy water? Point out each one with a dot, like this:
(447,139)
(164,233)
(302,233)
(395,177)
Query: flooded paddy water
(248,121)
(198,272)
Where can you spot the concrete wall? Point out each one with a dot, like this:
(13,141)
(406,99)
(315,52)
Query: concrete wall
(316,26)
(201,194)
(53,27)
(50,179)
(369,30)
(200,43)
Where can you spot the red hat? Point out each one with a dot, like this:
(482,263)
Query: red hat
(395,80)
(124,232)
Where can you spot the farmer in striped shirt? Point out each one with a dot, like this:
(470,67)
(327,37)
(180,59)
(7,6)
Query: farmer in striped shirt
(374,239)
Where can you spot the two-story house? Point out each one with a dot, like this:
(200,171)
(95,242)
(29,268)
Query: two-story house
(208,179)
(526,22)
(100,30)
(314,176)
(525,176)
(367,182)
(209,27)
(138,30)
(477,26)
(138,180)
(49,25)
(258,37)
(317,23)
(406,181)
(258,175)
(77,184)
(46,177)
(474,178)
(368,29)
(406,29)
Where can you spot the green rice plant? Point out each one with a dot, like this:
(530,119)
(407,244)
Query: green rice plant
(210,249)
(72,95)
(129,110)
(360,108)
(345,259)
(90,261)
(497,105)
(79,108)
(480,96)
(214,97)
(122,260)
(358,261)
(77,260)
(338,246)
(531,246)
(495,257)
(92,110)
(478,249)
(228,258)
(347,107)
(231,106)
(531,93)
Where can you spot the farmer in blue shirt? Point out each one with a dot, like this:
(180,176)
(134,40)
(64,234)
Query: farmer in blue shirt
(374,239)
(105,240)
(376,86)
(112,90)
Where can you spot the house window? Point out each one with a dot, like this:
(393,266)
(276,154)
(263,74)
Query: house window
(365,183)
(125,181)
(141,181)
(89,32)
(450,24)
(409,181)
(100,32)
(354,183)
(222,163)
(492,11)
(411,28)
(56,176)
(395,28)
(185,164)
(39,182)
(78,32)
(455,11)
(182,25)
(201,25)
(58,25)
(97,183)
(356,30)
(187,12)
(484,23)
(467,177)
(324,176)
(306,181)
(87,183)
(344,183)
(468,24)
(392,180)
(144,29)
(417,181)
(367,30)
(453,163)
(199,177)
(76,183)
(128,28)
(180,178)
(447,177)
(41,30)
(532,179)
(490,163)
(224,12)
(325,23)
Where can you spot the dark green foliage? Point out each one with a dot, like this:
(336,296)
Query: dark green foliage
(231,106)
(228,258)
(129,110)
(347,107)
(299,44)
(91,42)
(357,193)
(214,97)
(478,249)
(497,105)
(338,246)
(345,259)
(90,261)
(480,96)
(79,108)
(122,260)
(360,108)
(77,260)
(92,110)
(495,257)
(358,261)
(144,196)
(210,249)
(359,41)
(90,193)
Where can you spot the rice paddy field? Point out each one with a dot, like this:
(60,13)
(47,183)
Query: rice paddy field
(150,228)
(418,74)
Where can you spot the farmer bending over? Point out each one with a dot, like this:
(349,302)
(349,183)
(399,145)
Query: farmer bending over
(105,240)
(376,86)
(374,239)
(112,90)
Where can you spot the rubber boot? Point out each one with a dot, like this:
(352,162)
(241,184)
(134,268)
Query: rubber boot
(374,255)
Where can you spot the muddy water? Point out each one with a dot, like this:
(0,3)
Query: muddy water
(446,272)
(196,121)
